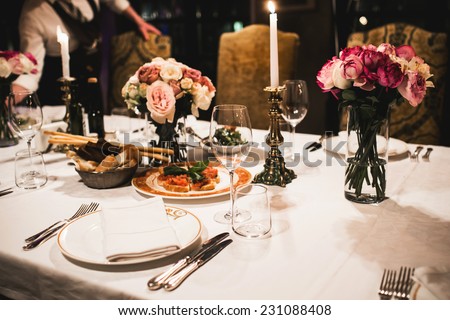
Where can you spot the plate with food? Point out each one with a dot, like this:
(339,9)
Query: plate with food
(190,180)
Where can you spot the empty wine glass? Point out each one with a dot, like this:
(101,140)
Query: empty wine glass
(294,107)
(25,120)
(230,135)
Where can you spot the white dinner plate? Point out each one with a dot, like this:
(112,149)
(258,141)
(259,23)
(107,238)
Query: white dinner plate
(82,239)
(338,144)
(148,185)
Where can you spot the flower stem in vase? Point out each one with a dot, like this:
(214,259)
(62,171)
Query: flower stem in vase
(365,175)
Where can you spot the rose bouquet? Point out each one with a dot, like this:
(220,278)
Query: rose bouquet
(169,90)
(12,64)
(368,80)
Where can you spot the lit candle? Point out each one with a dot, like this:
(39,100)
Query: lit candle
(274,81)
(63,40)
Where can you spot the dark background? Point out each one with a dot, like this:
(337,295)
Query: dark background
(323,26)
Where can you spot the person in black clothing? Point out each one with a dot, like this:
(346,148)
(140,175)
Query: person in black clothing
(80,19)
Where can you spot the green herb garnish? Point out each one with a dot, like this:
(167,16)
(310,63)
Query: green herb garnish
(194,172)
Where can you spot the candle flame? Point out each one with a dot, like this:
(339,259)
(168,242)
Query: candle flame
(271,7)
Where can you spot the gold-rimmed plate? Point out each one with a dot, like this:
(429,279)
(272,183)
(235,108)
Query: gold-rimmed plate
(148,184)
(81,240)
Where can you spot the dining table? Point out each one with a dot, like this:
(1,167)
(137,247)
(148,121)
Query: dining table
(321,245)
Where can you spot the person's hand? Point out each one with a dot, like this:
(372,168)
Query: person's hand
(16,88)
(145,28)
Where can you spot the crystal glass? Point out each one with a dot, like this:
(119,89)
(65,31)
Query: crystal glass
(294,107)
(230,136)
(25,120)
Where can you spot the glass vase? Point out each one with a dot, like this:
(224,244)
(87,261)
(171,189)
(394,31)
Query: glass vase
(7,138)
(367,153)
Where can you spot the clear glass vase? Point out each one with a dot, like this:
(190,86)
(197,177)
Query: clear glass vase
(367,153)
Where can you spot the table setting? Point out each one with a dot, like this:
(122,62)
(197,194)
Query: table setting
(217,211)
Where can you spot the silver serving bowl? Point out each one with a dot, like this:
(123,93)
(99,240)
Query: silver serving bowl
(108,179)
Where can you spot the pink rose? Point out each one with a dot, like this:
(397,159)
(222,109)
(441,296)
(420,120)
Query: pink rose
(161,101)
(192,73)
(148,73)
(345,53)
(175,85)
(324,77)
(413,88)
(205,81)
(372,60)
(339,80)
(352,67)
(406,52)
(386,48)
(390,75)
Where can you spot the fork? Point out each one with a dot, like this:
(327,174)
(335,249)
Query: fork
(387,285)
(415,155)
(82,208)
(404,283)
(52,230)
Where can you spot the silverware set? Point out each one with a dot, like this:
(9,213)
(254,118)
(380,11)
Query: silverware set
(415,155)
(316,145)
(177,273)
(6,191)
(395,285)
(42,236)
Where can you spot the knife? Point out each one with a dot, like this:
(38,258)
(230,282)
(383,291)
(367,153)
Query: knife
(179,277)
(158,281)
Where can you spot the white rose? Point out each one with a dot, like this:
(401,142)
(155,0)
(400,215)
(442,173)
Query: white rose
(201,99)
(170,71)
(186,83)
(5,68)
(339,81)
(26,63)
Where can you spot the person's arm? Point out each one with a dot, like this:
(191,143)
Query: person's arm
(143,26)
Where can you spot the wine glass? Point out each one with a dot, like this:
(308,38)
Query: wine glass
(25,120)
(294,106)
(230,136)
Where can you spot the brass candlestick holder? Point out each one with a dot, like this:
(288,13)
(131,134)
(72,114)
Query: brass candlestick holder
(66,88)
(275,171)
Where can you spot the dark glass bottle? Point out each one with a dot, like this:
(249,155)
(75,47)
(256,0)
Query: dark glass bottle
(94,107)
(75,123)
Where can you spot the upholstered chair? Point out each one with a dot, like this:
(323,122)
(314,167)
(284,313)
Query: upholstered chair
(244,68)
(128,52)
(422,124)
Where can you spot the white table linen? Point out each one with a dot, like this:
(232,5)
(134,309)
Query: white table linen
(321,246)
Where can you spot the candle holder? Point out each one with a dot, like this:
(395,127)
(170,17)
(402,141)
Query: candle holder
(66,88)
(275,171)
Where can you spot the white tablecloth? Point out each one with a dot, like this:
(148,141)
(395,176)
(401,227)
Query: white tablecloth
(321,246)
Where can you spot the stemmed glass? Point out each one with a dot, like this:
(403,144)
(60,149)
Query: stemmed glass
(294,106)
(230,135)
(25,120)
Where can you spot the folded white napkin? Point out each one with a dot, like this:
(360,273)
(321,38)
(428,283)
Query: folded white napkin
(434,282)
(53,113)
(137,231)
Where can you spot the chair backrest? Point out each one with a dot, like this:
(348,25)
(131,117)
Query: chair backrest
(421,124)
(128,52)
(244,68)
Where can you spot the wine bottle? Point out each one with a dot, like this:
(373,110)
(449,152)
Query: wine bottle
(94,107)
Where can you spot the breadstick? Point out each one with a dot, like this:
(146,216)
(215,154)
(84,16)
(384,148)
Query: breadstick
(155,156)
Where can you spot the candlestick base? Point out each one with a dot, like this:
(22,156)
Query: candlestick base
(275,171)
(66,88)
